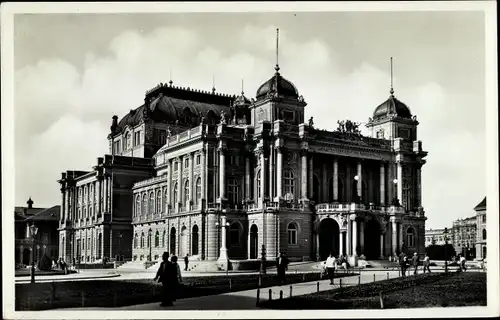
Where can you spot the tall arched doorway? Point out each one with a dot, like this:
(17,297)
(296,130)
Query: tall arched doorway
(328,238)
(184,244)
(194,240)
(372,239)
(172,240)
(254,236)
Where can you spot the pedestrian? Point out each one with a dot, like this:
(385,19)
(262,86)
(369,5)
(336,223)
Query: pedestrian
(415,260)
(462,264)
(330,267)
(402,263)
(282,268)
(186,262)
(165,275)
(177,277)
(427,263)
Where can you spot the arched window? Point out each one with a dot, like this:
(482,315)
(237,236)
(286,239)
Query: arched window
(151,202)
(91,192)
(135,240)
(292,233)
(176,193)
(91,210)
(163,238)
(194,240)
(406,195)
(149,238)
(289,184)
(144,204)
(138,206)
(410,237)
(232,191)
(165,196)
(158,202)
(128,141)
(85,212)
(157,239)
(142,240)
(198,190)
(186,192)
(258,185)
(234,234)
(484,234)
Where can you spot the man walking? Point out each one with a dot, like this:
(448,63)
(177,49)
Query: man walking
(186,262)
(282,267)
(402,263)
(330,267)
(167,275)
(427,263)
(415,261)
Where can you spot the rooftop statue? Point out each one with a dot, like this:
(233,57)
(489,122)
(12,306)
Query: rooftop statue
(348,127)
(311,122)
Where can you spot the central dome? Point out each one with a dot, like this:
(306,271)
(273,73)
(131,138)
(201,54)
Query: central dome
(277,84)
(392,106)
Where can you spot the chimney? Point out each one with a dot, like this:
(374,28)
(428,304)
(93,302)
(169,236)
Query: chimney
(30,203)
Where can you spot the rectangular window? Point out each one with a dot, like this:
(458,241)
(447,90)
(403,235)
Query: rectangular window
(186,163)
(484,218)
(198,160)
(176,166)
(292,236)
(137,138)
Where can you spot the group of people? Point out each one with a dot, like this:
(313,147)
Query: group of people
(169,274)
(331,264)
(61,264)
(414,262)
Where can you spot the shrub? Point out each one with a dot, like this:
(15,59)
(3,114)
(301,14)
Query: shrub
(45,263)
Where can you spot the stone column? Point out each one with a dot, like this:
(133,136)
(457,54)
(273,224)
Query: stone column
(169,189)
(348,238)
(418,200)
(279,173)
(335,180)
(361,231)
(317,245)
(191,191)
(324,183)
(311,179)
(222,173)
(248,240)
(394,236)
(203,180)
(105,194)
(262,176)
(223,248)
(270,235)
(381,245)
(98,198)
(354,235)
(247,178)
(271,173)
(360,181)
(401,239)
(400,182)
(341,242)
(63,205)
(382,184)
(303,178)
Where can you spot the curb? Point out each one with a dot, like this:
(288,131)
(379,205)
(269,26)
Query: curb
(68,279)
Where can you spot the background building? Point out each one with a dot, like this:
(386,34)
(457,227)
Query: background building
(464,236)
(435,237)
(46,220)
(481,229)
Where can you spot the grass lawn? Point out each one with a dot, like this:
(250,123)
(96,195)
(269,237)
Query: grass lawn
(116,293)
(425,290)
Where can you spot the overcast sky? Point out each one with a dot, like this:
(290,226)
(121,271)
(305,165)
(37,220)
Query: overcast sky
(73,72)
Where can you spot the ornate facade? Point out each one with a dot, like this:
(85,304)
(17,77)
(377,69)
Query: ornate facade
(481,229)
(226,178)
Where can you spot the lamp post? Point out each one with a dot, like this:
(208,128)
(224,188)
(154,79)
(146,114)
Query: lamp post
(120,235)
(356,197)
(395,200)
(263,260)
(223,225)
(149,243)
(33,231)
(445,250)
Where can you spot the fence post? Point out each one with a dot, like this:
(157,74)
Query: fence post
(83,300)
(317,286)
(290,291)
(303,277)
(387,275)
(230,284)
(340,282)
(260,281)
(381,300)
(270,294)
(374,277)
(359,280)
(258,297)
(281,294)
(53,290)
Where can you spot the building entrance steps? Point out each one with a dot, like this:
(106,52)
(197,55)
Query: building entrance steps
(244,300)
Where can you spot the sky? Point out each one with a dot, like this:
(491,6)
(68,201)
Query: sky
(73,72)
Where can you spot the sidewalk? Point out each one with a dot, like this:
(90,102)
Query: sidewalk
(244,300)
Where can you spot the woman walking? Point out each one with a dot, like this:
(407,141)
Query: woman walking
(167,275)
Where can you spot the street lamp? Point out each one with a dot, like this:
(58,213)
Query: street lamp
(395,200)
(33,232)
(223,258)
(149,240)
(445,250)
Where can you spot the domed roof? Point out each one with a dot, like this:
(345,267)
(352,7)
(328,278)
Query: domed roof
(277,84)
(392,106)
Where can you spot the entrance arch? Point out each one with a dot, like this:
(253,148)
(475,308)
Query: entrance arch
(172,240)
(254,235)
(328,238)
(372,239)
(184,244)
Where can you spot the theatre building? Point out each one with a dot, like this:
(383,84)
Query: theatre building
(226,178)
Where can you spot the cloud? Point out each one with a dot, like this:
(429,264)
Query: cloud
(63,114)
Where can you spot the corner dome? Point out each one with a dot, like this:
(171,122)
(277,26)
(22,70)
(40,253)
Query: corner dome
(277,84)
(392,106)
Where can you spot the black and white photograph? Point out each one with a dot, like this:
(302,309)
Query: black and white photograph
(291,159)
